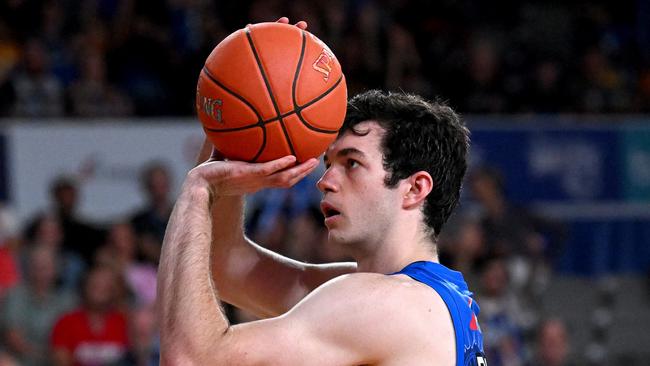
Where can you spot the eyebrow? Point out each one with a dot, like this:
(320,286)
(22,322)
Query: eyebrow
(345,152)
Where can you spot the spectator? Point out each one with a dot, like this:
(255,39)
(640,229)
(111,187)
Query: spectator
(32,308)
(9,59)
(120,252)
(548,90)
(38,92)
(46,231)
(508,229)
(92,96)
(483,79)
(9,273)
(462,247)
(603,88)
(79,237)
(552,344)
(9,269)
(97,332)
(143,330)
(501,316)
(151,221)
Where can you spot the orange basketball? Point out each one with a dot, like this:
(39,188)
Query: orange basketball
(271,90)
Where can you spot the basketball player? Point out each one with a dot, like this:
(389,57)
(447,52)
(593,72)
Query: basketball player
(393,178)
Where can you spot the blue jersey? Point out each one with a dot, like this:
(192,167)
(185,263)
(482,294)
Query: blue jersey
(451,287)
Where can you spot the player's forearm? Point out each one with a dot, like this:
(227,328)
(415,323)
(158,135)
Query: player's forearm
(238,264)
(256,279)
(191,318)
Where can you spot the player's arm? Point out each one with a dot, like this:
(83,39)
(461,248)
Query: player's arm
(246,274)
(341,323)
(194,330)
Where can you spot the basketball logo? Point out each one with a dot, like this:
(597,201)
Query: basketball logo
(322,63)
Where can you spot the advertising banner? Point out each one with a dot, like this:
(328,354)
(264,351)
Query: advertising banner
(106,159)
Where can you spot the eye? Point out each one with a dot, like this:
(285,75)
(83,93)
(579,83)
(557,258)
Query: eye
(351,163)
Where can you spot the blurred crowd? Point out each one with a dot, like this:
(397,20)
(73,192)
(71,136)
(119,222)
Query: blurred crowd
(75,292)
(100,58)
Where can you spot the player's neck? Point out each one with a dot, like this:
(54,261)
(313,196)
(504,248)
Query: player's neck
(391,256)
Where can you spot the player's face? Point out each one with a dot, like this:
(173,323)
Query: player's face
(357,205)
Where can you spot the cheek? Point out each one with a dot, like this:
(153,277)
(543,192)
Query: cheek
(378,205)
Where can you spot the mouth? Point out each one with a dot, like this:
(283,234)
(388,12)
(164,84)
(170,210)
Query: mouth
(328,210)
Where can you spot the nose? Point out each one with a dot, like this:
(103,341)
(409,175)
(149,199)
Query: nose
(326,183)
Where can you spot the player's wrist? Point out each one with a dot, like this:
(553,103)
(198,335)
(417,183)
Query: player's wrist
(198,186)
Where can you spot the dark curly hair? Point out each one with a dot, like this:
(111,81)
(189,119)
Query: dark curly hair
(420,136)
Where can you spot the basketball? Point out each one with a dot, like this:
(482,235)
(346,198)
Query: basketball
(271,90)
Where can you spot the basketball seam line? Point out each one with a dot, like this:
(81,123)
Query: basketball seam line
(307,124)
(259,122)
(222,86)
(299,108)
(266,122)
(270,90)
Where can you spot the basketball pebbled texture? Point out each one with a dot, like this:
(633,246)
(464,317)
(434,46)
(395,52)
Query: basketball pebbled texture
(271,90)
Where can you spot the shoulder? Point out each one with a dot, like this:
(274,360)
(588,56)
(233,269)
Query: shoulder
(392,307)
(384,291)
(360,318)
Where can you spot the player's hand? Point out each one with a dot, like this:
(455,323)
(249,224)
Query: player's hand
(230,178)
(301,24)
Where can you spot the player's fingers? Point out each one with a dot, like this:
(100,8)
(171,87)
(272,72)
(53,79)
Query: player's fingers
(273,166)
(284,20)
(302,25)
(289,177)
(308,168)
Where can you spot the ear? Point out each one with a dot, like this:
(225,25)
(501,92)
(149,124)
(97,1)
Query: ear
(416,189)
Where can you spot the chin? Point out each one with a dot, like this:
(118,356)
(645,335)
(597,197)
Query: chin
(343,239)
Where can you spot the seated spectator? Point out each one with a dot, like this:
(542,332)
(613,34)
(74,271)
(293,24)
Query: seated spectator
(501,316)
(46,231)
(96,333)
(528,243)
(143,331)
(151,221)
(507,228)
(119,252)
(9,271)
(79,236)
(552,344)
(32,308)
(92,96)
(9,58)
(9,274)
(462,247)
(38,92)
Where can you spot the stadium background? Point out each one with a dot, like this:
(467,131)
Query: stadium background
(554,225)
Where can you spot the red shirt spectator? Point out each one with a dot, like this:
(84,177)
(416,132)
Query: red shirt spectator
(101,346)
(96,334)
(8,270)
